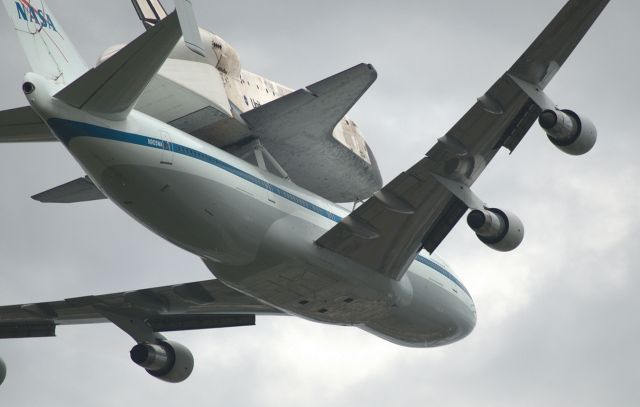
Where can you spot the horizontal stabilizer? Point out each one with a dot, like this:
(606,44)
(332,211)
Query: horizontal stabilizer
(78,190)
(113,87)
(23,125)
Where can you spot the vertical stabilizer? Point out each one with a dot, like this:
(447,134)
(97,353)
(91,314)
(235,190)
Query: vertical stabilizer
(48,49)
(112,88)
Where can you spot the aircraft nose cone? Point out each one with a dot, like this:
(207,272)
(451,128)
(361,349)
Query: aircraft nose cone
(471,321)
(464,318)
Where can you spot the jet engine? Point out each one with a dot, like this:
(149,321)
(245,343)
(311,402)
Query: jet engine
(166,360)
(3,371)
(500,230)
(569,132)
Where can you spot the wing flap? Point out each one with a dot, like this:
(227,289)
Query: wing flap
(171,323)
(27,330)
(22,124)
(500,118)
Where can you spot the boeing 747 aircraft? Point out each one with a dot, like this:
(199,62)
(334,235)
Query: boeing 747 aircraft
(244,173)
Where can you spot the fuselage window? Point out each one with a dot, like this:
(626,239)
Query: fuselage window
(246,101)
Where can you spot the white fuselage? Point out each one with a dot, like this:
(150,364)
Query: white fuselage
(254,230)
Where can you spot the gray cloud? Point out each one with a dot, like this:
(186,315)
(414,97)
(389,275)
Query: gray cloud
(556,317)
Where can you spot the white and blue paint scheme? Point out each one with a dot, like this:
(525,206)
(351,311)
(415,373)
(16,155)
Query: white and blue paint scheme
(274,247)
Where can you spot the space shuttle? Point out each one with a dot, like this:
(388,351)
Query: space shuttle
(303,135)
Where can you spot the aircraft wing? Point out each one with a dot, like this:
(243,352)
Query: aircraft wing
(22,125)
(419,207)
(198,305)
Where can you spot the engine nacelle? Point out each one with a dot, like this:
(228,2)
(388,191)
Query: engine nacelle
(3,371)
(500,230)
(166,360)
(569,132)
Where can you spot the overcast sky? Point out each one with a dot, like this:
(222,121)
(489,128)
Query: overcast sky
(557,318)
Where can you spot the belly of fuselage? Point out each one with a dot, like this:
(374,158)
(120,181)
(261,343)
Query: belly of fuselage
(254,246)
(182,201)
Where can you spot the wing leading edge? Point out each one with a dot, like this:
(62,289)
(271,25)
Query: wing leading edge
(419,207)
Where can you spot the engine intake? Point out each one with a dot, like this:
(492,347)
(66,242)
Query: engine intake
(166,360)
(3,371)
(568,131)
(500,230)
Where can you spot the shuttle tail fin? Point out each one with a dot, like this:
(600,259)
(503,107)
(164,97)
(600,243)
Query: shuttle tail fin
(47,47)
(150,12)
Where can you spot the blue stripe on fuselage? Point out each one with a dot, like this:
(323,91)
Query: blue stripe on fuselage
(67,130)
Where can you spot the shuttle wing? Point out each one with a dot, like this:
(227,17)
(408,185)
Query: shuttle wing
(199,305)
(418,208)
(314,110)
(298,127)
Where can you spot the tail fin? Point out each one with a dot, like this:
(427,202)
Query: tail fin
(48,49)
(112,88)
